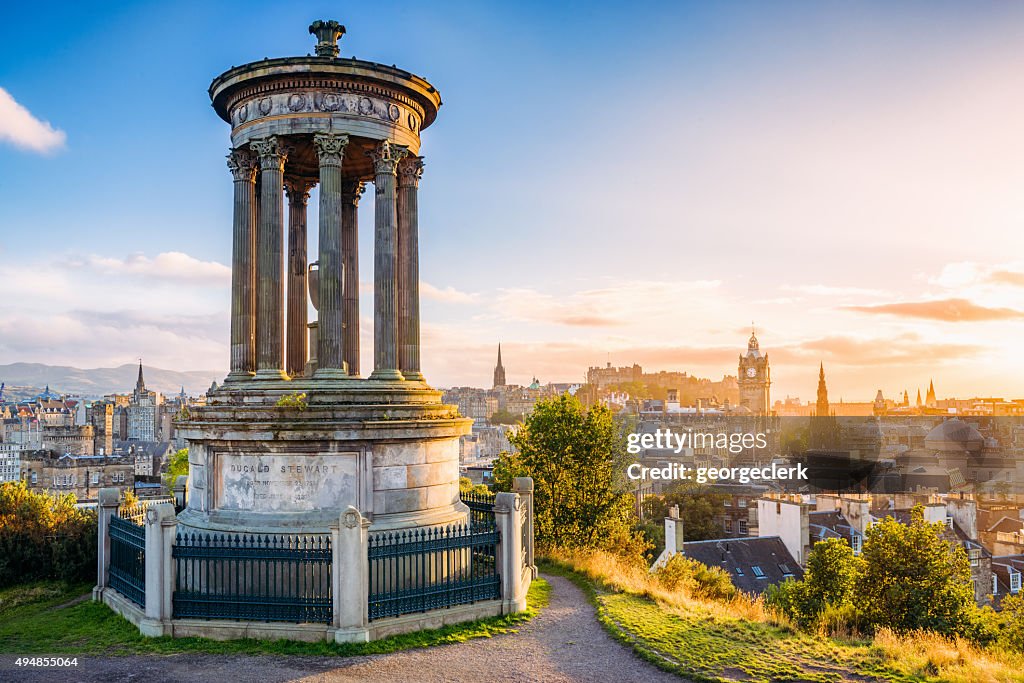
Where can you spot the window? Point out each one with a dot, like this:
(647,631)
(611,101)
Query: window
(1014,581)
(855,542)
(35,478)
(95,478)
(742,502)
(995,585)
(974,554)
(784,568)
(758,572)
(739,571)
(743,526)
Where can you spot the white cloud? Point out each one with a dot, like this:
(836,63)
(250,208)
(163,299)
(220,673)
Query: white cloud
(19,127)
(447,295)
(170,265)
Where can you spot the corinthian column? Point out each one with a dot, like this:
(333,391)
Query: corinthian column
(330,150)
(385,301)
(269,283)
(243,259)
(297,335)
(351,190)
(409,172)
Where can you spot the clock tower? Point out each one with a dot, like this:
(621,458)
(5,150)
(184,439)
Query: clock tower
(754,378)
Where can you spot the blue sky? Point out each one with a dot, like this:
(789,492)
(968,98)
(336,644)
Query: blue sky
(605,181)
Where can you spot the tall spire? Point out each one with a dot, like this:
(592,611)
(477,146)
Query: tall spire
(499,371)
(140,384)
(930,400)
(822,406)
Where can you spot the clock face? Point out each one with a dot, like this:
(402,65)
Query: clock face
(751,372)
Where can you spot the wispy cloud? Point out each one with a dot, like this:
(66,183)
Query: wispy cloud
(945,310)
(447,295)
(170,265)
(19,127)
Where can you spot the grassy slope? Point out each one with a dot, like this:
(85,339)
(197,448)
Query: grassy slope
(33,620)
(711,645)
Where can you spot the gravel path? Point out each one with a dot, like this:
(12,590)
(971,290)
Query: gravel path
(563,644)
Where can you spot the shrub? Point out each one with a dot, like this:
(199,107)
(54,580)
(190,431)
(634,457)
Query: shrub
(43,536)
(696,578)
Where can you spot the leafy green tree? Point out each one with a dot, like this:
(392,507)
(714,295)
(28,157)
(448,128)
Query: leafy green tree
(1011,622)
(828,584)
(466,485)
(176,466)
(504,417)
(696,578)
(912,578)
(699,507)
(577,460)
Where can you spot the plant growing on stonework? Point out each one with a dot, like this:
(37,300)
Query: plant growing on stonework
(176,466)
(293,400)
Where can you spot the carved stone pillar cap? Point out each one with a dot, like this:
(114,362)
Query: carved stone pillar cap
(327,34)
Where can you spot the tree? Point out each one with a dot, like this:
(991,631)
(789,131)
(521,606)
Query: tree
(577,460)
(699,508)
(828,584)
(176,466)
(504,417)
(466,485)
(914,579)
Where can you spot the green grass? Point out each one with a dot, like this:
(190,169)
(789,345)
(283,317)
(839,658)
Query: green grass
(703,646)
(34,620)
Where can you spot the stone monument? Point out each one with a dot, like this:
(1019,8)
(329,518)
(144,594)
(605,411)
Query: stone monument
(296,433)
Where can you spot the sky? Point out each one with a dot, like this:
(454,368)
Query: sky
(605,182)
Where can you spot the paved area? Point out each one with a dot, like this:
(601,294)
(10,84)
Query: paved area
(563,644)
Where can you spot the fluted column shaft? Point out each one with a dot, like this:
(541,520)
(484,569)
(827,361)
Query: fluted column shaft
(330,360)
(385,297)
(297,335)
(269,283)
(350,193)
(243,266)
(410,170)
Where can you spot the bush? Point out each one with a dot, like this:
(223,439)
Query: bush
(695,578)
(44,537)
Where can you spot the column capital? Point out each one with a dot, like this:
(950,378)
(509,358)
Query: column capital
(297,190)
(330,148)
(386,156)
(242,165)
(410,170)
(270,152)
(351,191)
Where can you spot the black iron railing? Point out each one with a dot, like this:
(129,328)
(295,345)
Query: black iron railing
(253,577)
(128,559)
(433,568)
(481,508)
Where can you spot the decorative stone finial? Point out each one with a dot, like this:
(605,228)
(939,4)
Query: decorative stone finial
(327,34)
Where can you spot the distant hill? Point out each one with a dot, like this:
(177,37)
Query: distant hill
(99,381)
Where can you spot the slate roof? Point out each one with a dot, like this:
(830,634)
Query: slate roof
(753,563)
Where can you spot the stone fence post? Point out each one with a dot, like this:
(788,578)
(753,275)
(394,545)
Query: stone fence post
(350,584)
(108,500)
(508,516)
(161,524)
(524,487)
(180,492)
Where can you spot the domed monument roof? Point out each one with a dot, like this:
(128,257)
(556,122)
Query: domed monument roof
(954,435)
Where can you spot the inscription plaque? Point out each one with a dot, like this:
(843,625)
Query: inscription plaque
(287,483)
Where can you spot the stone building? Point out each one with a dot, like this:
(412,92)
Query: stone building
(82,475)
(754,379)
(144,412)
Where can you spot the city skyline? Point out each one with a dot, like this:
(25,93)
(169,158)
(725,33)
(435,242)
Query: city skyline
(839,175)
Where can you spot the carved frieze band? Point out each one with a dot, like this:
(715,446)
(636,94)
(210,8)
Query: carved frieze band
(316,101)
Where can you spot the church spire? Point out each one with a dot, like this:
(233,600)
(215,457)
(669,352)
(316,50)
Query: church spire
(499,371)
(140,384)
(929,399)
